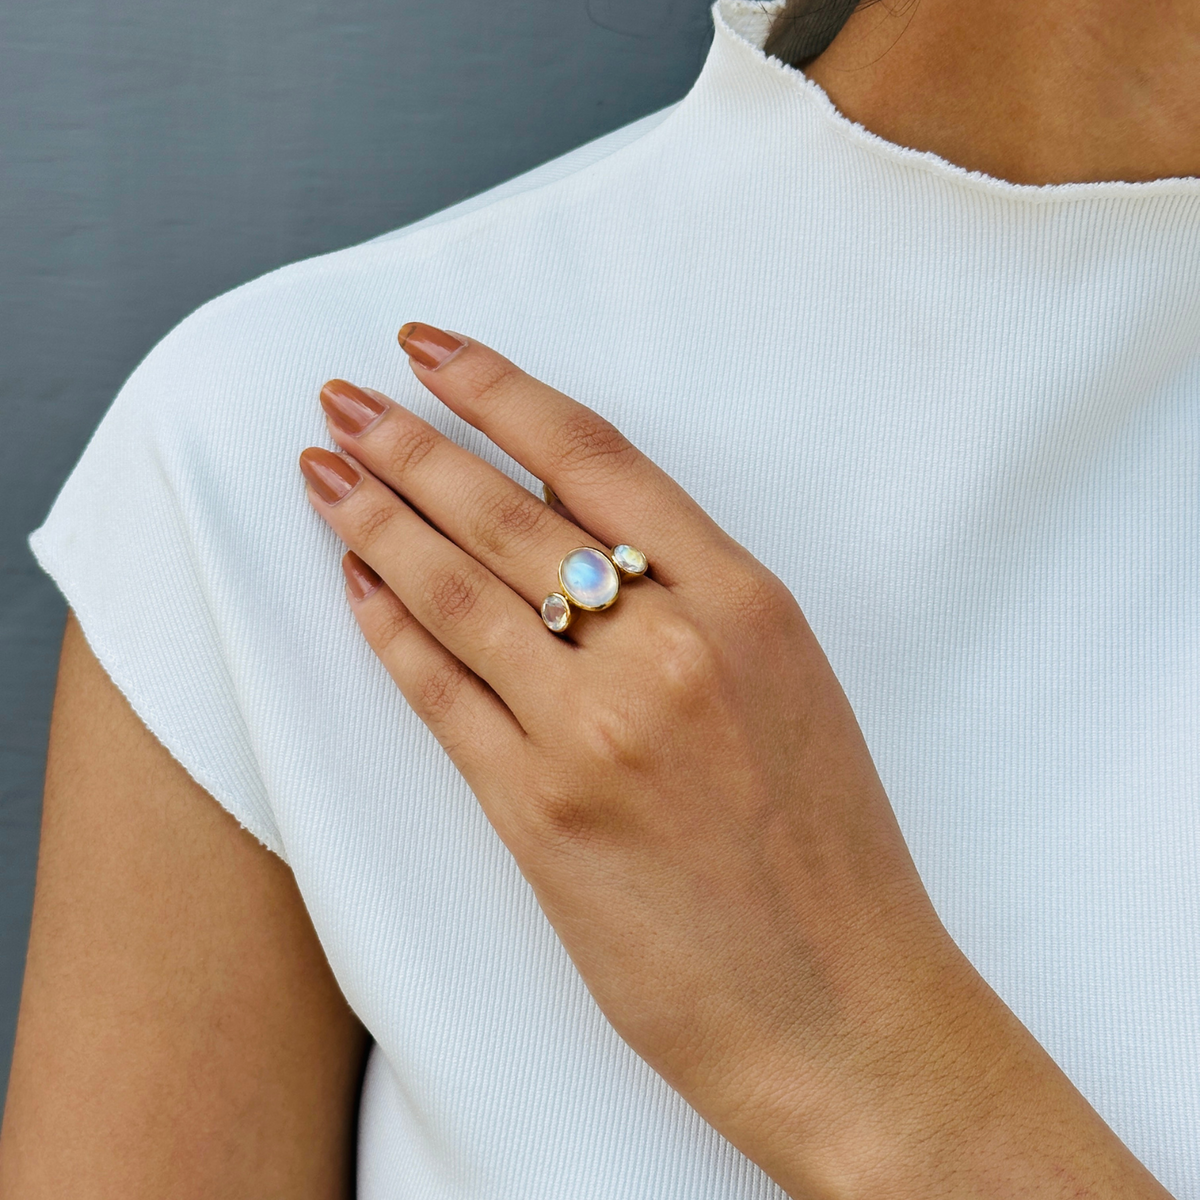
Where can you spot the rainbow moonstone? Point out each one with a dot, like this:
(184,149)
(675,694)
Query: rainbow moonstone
(589,578)
(556,612)
(630,559)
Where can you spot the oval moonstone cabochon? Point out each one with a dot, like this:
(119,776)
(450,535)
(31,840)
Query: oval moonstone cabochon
(588,578)
(630,559)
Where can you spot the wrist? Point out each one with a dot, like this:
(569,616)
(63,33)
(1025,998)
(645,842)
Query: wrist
(897,1099)
(855,1092)
(937,1090)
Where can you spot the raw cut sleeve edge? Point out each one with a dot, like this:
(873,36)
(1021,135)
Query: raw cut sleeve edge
(173,740)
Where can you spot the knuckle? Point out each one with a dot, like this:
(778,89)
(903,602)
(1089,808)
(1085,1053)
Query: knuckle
(759,602)
(491,380)
(506,516)
(440,689)
(372,524)
(586,439)
(688,663)
(629,729)
(411,449)
(389,627)
(617,734)
(455,591)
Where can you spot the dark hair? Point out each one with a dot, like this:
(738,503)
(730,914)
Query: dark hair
(803,28)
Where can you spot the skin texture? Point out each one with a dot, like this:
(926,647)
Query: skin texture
(702,824)
(1033,91)
(180,1031)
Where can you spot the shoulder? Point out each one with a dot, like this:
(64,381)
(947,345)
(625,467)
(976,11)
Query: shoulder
(256,357)
(293,289)
(310,320)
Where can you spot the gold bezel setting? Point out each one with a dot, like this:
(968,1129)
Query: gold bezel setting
(565,602)
(565,589)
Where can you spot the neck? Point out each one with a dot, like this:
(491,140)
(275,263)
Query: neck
(1033,91)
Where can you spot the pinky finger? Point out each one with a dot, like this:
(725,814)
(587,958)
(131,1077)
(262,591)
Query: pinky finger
(463,713)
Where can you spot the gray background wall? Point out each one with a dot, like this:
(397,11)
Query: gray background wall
(156,152)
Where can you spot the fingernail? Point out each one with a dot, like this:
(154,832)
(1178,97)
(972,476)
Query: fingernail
(428,346)
(329,475)
(350,408)
(361,581)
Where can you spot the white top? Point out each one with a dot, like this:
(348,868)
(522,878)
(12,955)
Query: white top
(959,417)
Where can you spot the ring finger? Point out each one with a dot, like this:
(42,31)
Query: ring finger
(480,620)
(513,533)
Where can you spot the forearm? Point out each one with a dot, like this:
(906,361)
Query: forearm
(931,1088)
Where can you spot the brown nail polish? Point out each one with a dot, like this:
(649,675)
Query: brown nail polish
(328,474)
(361,581)
(428,346)
(350,408)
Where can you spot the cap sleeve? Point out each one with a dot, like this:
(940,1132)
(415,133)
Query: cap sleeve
(153,543)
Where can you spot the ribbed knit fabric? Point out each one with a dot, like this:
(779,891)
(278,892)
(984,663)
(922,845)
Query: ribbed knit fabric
(960,418)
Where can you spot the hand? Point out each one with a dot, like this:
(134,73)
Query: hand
(684,785)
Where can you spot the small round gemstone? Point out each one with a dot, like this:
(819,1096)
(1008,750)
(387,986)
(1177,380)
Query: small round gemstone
(556,612)
(630,559)
(589,578)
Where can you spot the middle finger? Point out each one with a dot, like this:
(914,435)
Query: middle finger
(492,517)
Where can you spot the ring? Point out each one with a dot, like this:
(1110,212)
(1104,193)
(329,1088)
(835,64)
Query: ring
(590,580)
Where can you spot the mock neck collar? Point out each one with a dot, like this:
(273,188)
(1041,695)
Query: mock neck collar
(738,75)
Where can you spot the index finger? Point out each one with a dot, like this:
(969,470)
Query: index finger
(610,487)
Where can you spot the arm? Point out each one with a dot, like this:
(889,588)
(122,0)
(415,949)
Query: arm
(180,1031)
